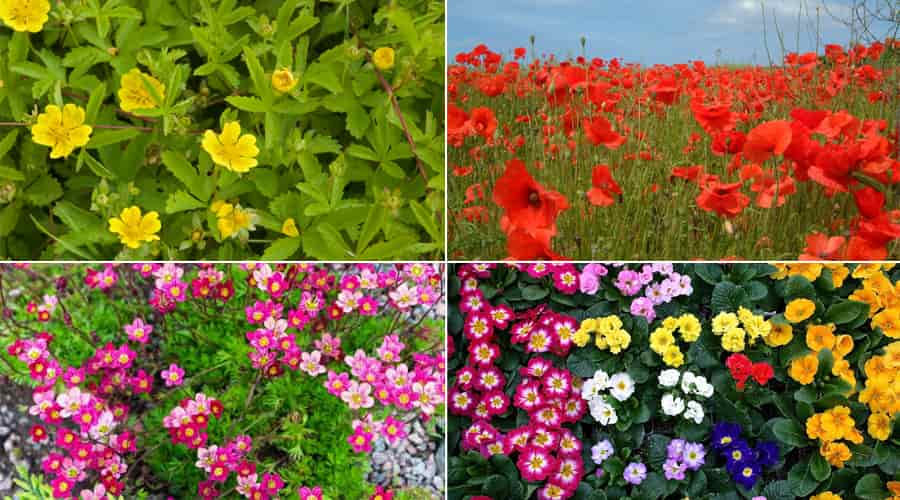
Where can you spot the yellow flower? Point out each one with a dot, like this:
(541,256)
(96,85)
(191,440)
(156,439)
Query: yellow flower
(842,369)
(820,337)
(25,15)
(133,229)
(826,495)
(880,426)
(836,453)
(581,338)
(799,310)
(383,58)
(781,334)
(233,219)
(61,129)
(689,326)
(889,322)
(733,340)
(283,80)
(290,228)
(230,149)
(724,322)
(843,345)
(756,327)
(134,95)
(660,340)
(839,273)
(673,356)
(803,369)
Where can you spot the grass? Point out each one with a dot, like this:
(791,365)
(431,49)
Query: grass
(656,218)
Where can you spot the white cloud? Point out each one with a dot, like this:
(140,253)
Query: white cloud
(749,12)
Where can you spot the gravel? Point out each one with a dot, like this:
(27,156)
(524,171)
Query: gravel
(414,462)
(16,447)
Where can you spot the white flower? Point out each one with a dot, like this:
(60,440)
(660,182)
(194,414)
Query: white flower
(672,404)
(601,378)
(603,412)
(590,390)
(704,388)
(621,386)
(694,412)
(668,378)
(687,382)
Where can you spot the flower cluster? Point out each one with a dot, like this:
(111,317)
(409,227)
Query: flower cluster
(620,387)
(653,285)
(187,423)
(742,368)
(743,462)
(831,426)
(880,392)
(683,456)
(739,330)
(609,334)
(663,341)
(681,392)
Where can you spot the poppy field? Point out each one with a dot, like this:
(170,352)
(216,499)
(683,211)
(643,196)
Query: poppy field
(224,381)
(702,381)
(221,130)
(581,158)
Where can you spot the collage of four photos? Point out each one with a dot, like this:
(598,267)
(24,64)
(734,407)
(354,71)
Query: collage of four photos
(448,249)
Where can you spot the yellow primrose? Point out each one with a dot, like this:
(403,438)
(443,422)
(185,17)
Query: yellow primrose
(880,426)
(889,322)
(133,228)
(826,495)
(134,95)
(383,58)
(820,337)
(803,369)
(799,309)
(733,340)
(25,15)
(61,129)
(689,327)
(230,149)
(781,334)
(723,322)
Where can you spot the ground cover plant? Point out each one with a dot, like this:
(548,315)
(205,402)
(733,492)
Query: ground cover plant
(702,381)
(203,381)
(221,129)
(591,158)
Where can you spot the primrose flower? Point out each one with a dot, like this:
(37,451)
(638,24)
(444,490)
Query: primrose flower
(283,80)
(63,130)
(635,473)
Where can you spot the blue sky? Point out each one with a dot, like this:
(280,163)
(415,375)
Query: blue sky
(644,31)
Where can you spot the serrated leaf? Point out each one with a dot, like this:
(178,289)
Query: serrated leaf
(251,104)
(9,217)
(281,249)
(43,191)
(106,137)
(179,201)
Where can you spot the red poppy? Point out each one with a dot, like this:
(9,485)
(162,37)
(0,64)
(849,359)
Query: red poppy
(728,142)
(528,205)
(605,190)
(692,173)
(483,122)
(767,139)
(531,245)
(519,52)
(458,126)
(820,246)
(715,117)
(726,200)
(869,202)
(833,166)
(599,131)
(860,248)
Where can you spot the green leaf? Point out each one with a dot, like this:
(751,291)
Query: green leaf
(847,311)
(93,105)
(496,486)
(534,293)
(256,73)
(819,468)
(727,296)
(391,249)
(9,217)
(179,201)
(374,222)
(870,487)
(11,174)
(200,186)
(83,223)
(43,191)
(251,104)
(281,249)
(107,137)
(427,221)
(778,490)
(790,432)
(9,140)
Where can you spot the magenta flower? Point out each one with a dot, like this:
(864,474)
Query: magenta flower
(138,331)
(310,493)
(174,376)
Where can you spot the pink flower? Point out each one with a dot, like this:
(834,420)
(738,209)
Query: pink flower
(174,376)
(393,430)
(138,331)
(310,363)
(360,440)
(358,395)
(310,493)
